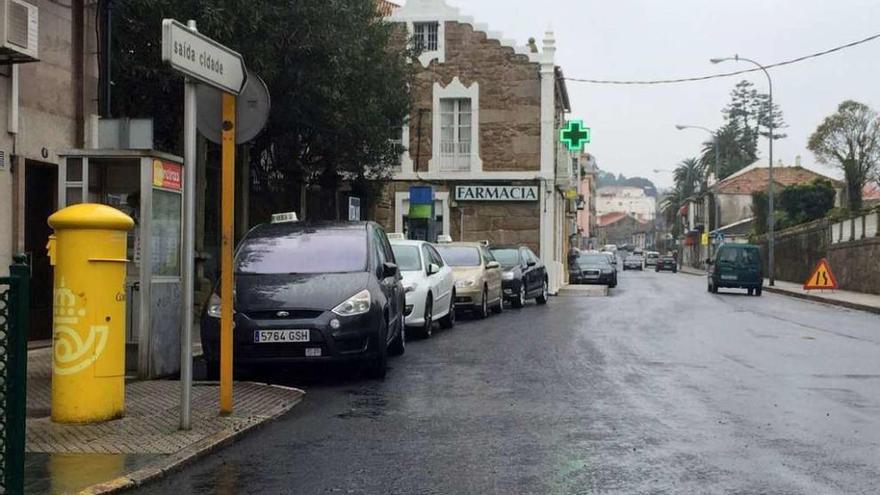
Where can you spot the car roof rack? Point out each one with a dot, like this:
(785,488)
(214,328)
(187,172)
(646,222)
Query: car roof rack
(443,239)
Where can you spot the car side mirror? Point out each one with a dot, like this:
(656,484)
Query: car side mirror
(493,264)
(433,268)
(531,263)
(389,269)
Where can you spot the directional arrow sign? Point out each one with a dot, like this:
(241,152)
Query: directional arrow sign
(574,135)
(202,58)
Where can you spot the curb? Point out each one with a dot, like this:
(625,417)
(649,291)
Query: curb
(812,297)
(824,300)
(188,455)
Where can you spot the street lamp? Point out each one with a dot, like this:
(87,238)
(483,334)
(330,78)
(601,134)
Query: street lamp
(717,164)
(771,222)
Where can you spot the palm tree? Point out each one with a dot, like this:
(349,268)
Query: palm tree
(690,176)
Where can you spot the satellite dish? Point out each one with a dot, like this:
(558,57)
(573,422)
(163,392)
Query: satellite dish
(251,110)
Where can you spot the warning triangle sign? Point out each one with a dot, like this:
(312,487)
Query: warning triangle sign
(821,278)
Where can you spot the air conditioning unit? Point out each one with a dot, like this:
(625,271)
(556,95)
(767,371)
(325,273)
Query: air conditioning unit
(19,32)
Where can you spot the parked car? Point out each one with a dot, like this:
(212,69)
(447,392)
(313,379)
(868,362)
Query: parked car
(610,248)
(638,252)
(651,258)
(632,262)
(429,285)
(736,266)
(477,277)
(524,276)
(612,257)
(593,269)
(666,262)
(306,293)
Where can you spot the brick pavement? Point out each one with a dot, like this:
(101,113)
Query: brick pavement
(151,415)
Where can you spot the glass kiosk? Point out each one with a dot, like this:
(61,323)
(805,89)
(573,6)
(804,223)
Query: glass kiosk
(147,185)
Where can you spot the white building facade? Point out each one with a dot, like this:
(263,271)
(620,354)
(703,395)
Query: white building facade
(630,200)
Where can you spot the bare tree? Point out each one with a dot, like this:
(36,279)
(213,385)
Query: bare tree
(850,139)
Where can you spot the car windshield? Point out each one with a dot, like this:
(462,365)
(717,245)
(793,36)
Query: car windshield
(738,255)
(460,255)
(304,251)
(506,256)
(408,258)
(633,258)
(592,259)
(653,255)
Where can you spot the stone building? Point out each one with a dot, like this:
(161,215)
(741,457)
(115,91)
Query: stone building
(483,133)
(622,228)
(45,107)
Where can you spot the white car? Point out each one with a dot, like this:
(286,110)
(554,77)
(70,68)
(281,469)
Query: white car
(429,285)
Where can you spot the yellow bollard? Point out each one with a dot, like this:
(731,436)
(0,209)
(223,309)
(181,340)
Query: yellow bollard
(88,368)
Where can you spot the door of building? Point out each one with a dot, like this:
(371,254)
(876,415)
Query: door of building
(40,201)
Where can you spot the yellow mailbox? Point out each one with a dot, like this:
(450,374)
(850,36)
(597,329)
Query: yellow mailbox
(88,368)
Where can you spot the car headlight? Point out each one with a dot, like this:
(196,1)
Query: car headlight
(357,304)
(214,306)
(606,271)
(507,276)
(466,282)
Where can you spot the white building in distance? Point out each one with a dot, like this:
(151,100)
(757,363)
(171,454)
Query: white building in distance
(630,200)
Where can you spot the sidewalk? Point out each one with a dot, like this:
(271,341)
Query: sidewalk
(146,443)
(845,298)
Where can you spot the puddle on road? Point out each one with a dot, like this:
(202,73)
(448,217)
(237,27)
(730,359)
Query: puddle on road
(70,473)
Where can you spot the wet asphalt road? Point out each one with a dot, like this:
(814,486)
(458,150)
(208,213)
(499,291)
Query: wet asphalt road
(660,388)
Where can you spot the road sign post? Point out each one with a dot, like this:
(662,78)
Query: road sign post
(226,245)
(204,60)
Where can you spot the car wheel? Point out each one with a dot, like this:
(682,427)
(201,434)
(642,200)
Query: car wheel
(521,297)
(542,299)
(751,292)
(709,287)
(675,270)
(398,345)
(428,327)
(483,312)
(714,289)
(500,307)
(448,321)
(379,365)
(758,291)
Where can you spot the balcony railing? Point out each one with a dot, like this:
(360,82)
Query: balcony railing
(455,157)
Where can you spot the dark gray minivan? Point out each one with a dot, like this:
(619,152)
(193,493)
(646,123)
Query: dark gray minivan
(736,266)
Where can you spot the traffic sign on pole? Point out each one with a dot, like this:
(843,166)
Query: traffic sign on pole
(202,58)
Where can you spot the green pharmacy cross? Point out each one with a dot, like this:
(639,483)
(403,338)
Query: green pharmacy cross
(575,135)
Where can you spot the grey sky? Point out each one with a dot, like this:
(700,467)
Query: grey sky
(633,127)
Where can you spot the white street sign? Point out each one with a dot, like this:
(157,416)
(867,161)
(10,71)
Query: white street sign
(202,58)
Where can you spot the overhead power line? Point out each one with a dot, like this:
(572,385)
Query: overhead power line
(726,74)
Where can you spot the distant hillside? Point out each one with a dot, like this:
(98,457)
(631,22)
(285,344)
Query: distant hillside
(609,179)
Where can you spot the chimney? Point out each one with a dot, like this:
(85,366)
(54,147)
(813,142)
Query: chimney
(797,161)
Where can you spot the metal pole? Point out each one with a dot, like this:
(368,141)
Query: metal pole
(227,200)
(717,178)
(188,262)
(18,314)
(771,220)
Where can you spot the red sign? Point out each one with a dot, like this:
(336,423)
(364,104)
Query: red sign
(167,175)
(821,278)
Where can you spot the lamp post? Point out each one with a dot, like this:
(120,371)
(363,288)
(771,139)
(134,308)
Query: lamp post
(771,222)
(717,208)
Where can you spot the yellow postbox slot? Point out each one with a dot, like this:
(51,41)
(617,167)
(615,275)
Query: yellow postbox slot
(88,331)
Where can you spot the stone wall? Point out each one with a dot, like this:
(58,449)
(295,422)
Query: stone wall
(498,222)
(509,107)
(856,264)
(797,251)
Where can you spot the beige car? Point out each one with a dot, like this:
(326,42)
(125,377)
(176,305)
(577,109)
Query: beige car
(477,277)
